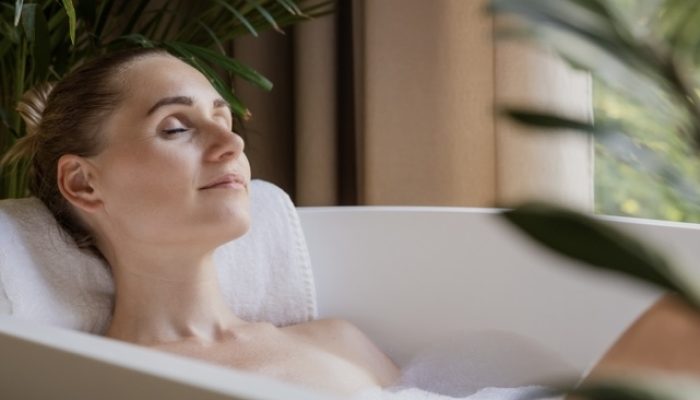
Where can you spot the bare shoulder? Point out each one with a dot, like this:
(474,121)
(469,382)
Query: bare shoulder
(346,340)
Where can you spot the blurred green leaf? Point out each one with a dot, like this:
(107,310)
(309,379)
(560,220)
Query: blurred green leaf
(265,14)
(551,121)
(4,46)
(215,39)
(3,117)
(602,391)
(86,11)
(9,33)
(636,386)
(590,20)
(28,18)
(56,19)
(18,11)
(678,24)
(70,12)
(42,48)
(612,392)
(240,17)
(135,17)
(290,6)
(151,27)
(103,14)
(138,39)
(585,239)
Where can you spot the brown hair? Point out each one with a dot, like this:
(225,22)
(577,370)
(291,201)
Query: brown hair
(65,119)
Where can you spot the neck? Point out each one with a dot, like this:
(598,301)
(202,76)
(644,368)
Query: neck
(169,297)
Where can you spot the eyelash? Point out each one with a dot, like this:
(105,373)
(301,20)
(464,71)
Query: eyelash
(175,130)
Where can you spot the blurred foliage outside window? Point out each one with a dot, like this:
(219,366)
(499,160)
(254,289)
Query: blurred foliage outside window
(622,186)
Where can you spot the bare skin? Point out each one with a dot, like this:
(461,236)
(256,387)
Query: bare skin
(149,199)
(666,338)
(325,355)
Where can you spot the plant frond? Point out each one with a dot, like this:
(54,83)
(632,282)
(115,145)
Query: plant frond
(19,4)
(70,12)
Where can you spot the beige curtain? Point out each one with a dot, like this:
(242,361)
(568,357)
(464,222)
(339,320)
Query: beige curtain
(426,77)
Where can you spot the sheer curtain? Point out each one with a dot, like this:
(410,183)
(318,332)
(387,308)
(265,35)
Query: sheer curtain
(391,102)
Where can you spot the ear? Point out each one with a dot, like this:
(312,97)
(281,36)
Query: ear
(75,181)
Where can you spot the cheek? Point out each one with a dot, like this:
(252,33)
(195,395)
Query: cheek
(158,173)
(150,185)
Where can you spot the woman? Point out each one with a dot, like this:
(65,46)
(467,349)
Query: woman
(135,156)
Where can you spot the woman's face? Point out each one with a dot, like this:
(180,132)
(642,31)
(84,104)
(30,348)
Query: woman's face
(171,171)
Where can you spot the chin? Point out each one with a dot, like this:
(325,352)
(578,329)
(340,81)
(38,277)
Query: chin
(229,227)
(216,224)
(239,229)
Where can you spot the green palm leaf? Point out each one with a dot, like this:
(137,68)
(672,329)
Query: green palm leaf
(19,4)
(70,12)
(228,64)
(551,121)
(239,16)
(44,39)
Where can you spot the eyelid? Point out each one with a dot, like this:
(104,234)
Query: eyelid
(177,119)
(184,121)
(173,125)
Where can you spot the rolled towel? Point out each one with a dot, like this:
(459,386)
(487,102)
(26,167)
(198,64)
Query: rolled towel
(265,275)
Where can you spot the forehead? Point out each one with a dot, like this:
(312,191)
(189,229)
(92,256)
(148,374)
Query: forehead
(147,80)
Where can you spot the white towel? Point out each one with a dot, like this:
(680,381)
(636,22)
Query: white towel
(265,275)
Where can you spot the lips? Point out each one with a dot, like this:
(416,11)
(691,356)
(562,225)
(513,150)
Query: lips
(227,180)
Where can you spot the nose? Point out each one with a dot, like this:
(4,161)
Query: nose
(224,144)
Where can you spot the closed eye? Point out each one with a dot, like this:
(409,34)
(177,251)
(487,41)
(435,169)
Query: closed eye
(175,130)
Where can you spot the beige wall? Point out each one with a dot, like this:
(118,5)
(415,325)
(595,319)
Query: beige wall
(433,75)
(269,134)
(315,110)
(429,92)
(555,166)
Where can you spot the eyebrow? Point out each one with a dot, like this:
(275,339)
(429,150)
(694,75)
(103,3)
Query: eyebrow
(185,100)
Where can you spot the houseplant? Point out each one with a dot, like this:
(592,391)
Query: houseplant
(42,40)
(654,70)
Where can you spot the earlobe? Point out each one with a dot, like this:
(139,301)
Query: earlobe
(75,183)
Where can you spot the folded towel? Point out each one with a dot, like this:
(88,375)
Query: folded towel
(265,275)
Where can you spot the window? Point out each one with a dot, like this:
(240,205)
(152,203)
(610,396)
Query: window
(623,184)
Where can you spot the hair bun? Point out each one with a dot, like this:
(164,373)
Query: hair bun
(31,108)
(32,104)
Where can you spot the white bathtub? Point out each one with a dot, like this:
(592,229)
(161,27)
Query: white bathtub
(414,279)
